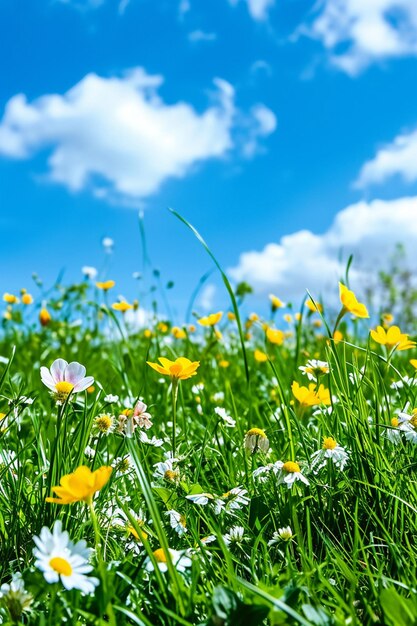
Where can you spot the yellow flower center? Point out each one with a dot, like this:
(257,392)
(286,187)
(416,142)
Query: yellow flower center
(103,423)
(171,475)
(258,432)
(291,468)
(160,556)
(64,388)
(329,443)
(61,566)
(141,535)
(394,421)
(413,421)
(175,369)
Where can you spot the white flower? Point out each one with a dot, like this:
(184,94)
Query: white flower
(165,470)
(200,498)
(405,381)
(313,369)
(179,560)
(64,378)
(15,597)
(221,412)
(262,472)
(60,559)
(111,399)
(330,450)
(137,417)
(89,272)
(236,498)
(283,534)
(143,436)
(89,452)
(235,535)
(177,522)
(289,473)
(218,396)
(108,244)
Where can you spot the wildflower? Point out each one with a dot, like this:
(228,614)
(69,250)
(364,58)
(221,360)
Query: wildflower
(179,560)
(10,298)
(275,336)
(27,299)
(276,303)
(330,450)
(235,498)
(211,320)
(178,333)
(314,306)
(143,437)
(104,423)
(122,306)
(44,317)
(200,498)
(60,559)
(221,412)
(394,434)
(234,536)
(231,316)
(260,356)
(63,378)
(122,464)
(350,302)
(392,338)
(15,597)
(89,272)
(256,439)
(165,470)
(81,485)
(223,363)
(406,381)
(111,399)
(414,363)
(337,337)
(180,369)
(282,534)
(177,522)
(289,473)
(131,419)
(106,285)
(162,327)
(314,368)
(305,396)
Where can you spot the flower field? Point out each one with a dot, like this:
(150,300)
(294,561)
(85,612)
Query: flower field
(242,469)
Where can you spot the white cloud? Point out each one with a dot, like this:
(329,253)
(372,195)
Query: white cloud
(261,123)
(200,35)
(359,32)
(303,260)
(397,158)
(207,297)
(118,137)
(258,9)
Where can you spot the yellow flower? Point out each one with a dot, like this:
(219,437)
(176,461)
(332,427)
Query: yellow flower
(297,316)
(392,338)
(147,333)
(288,318)
(329,443)
(260,356)
(81,485)
(10,298)
(387,319)
(291,467)
(106,285)
(180,369)
(254,317)
(314,306)
(337,337)
(256,439)
(323,395)
(178,332)
(224,363)
(310,396)
(231,316)
(211,320)
(27,298)
(275,336)
(350,302)
(162,327)
(276,303)
(122,306)
(414,363)
(191,328)
(44,317)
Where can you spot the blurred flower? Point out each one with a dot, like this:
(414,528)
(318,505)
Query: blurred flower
(10,298)
(211,319)
(27,299)
(177,522)
(260,356)
(350,302)
(179,560)
(178,333)
(221,412)
(61,559)
(314,369)
(180,369)
(44,317)
(234,536)
(108,244)
(106,285)
(314,306)
(122,306)
(111,399)
(276,303)
(15,598)
(64,378)
(81,485)
(89,272)
(283,534)
(337,337)
(275,336)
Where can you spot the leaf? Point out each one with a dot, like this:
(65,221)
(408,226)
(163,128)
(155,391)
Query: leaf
(398,611)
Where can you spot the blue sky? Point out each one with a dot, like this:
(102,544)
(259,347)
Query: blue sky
(315,112)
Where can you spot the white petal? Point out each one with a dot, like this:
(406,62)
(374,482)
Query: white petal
(74,372)
(84,383)
(47,379)
(58,369)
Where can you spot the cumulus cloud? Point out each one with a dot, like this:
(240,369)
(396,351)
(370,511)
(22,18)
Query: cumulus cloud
(359,32)
(397,158)
(304,260)
(119,138)
(258,9)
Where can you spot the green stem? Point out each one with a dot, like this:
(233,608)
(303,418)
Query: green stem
(174,395)
(100,563)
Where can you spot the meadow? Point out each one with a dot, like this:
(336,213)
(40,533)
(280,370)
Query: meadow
(239,470)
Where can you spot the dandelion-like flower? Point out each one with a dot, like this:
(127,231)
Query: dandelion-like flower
(177,522)
(61,559)
(235,536)
(65,378)
(256,439)
(289,473)
(15,598)
(81,485)
(330,450)
(180,369)
(282,534)
(314,368)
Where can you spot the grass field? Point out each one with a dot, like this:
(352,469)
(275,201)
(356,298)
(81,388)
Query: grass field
(265,477)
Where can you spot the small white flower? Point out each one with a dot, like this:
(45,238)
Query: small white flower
(89,272)
(89,452)
(200,498)
(177,522)
(283,534)
(179,560)
(218,396)
(221,412)
(313,369)
(330,450)
(165,470)
(111,399)
(143,436)
(60,559)
(406,381)
(236,498)
(15,597)
(64,378)
(289,473)
(234,536)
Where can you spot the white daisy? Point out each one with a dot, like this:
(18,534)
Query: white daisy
(228,420)
(330,450)
(234,536)
(60,559)
(177,522)
(313,369)
(289,473)
(179,560)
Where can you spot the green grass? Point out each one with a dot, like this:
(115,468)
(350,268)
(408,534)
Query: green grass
(352,558)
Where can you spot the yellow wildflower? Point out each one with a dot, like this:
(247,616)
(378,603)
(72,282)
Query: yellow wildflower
(106,285)
(180,369)
(392,338)
(350,302)
(81,485)
(122,306)
(275,336)
(211,320)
